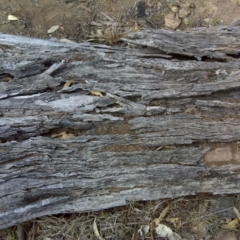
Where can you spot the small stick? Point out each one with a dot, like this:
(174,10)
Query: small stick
(20,232)
(106,16)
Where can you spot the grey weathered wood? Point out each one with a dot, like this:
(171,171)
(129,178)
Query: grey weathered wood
(152,135)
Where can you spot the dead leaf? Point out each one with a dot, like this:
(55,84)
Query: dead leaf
(68,83)
(53,29)
(12,18)
(236,212)
(172,220)
(135,27)
(95,230)
(67,136)
(162,215)
(65,40)
(231,225)
(63,136)
(175,221)
(77,193)
(55,135)
(96,93)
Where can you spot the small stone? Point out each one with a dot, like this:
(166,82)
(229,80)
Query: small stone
(199,228)
(184,12)
(159,5)
(172,21)
(174,8)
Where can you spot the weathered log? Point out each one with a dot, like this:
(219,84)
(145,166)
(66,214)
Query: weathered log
(166,125)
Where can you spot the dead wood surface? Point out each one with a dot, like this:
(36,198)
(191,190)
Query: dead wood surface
(166,126)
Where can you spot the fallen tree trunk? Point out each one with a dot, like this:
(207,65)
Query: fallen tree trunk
(85,127)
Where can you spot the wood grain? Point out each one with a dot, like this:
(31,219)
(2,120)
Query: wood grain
(162,111)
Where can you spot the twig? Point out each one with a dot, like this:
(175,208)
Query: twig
(106,16)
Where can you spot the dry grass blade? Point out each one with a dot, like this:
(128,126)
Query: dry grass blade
(124,222)
(95,230)
(109,31)
(162,215)
(106,16)
(110,35)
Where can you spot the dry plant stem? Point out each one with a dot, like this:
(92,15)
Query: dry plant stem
(213,213)
(20,232)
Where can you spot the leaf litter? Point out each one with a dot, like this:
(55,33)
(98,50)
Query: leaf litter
(150,220)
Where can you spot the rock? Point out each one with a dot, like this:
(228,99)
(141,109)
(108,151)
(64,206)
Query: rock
(199,228)
(172,21)
(184,12)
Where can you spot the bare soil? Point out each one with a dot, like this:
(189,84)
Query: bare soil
(106,21)
(79,20)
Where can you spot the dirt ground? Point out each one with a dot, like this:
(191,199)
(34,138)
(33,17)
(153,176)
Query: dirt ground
(81,20)
(106,21)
